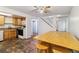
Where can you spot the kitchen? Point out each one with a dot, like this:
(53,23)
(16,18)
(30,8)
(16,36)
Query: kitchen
(22,33)
(11,27)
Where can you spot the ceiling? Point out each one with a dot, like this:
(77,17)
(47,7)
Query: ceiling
(54,10)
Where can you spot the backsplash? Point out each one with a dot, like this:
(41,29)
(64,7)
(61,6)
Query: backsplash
(7,25)
(8,19)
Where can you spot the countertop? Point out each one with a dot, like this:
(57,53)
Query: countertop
(4,28)
(7,28)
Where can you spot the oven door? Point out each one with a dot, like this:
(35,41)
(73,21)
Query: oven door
(20,32)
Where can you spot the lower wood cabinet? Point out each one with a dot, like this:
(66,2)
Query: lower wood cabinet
(9,34)
(6,35)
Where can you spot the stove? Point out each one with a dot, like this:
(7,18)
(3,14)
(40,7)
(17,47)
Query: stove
(20,32)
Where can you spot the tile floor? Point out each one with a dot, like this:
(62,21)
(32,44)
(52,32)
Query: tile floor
(18,46)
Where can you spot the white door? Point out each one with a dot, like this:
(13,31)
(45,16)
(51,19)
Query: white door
(34,27)
(61,24)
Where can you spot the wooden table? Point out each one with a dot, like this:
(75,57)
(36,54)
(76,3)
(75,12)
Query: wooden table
(63,39)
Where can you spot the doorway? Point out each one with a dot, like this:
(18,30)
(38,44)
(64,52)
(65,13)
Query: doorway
(62,24)
(34,27)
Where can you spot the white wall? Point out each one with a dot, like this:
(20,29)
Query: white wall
(14,12)
(74,21)
(43,27)
(29,28)
(11,11)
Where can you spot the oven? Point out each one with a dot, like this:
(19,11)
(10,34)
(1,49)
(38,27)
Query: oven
(20,32)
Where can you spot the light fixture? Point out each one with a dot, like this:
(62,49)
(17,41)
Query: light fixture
(59,15)
(5,14)
(43,9)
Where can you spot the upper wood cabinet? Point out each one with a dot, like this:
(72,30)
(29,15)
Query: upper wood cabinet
(14,21)
(17,21)
(2,20)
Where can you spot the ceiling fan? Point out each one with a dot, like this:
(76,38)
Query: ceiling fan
(42,9)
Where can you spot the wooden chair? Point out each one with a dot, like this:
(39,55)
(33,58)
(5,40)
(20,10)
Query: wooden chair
(58,49)
(41,48)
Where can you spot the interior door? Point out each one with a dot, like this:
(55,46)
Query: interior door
(61,24)
(34,27)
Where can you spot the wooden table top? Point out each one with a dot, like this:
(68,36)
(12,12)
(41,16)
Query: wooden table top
(64,39)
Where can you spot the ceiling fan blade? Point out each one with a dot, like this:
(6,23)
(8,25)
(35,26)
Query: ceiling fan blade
(48,6)
(36,7)
(44,9)
(34,10)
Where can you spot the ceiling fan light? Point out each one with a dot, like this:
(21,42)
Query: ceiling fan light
(41,11)
(48,6)
(58,15)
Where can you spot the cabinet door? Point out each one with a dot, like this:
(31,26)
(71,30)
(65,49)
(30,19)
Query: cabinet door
(13,33)
(19,21)
(14,21)
(9,33)
(6,34)
(2,20)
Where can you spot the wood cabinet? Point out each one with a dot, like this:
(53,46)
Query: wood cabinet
(2,20)
(6,35)
(9,33)
(14,21)
(18,21)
